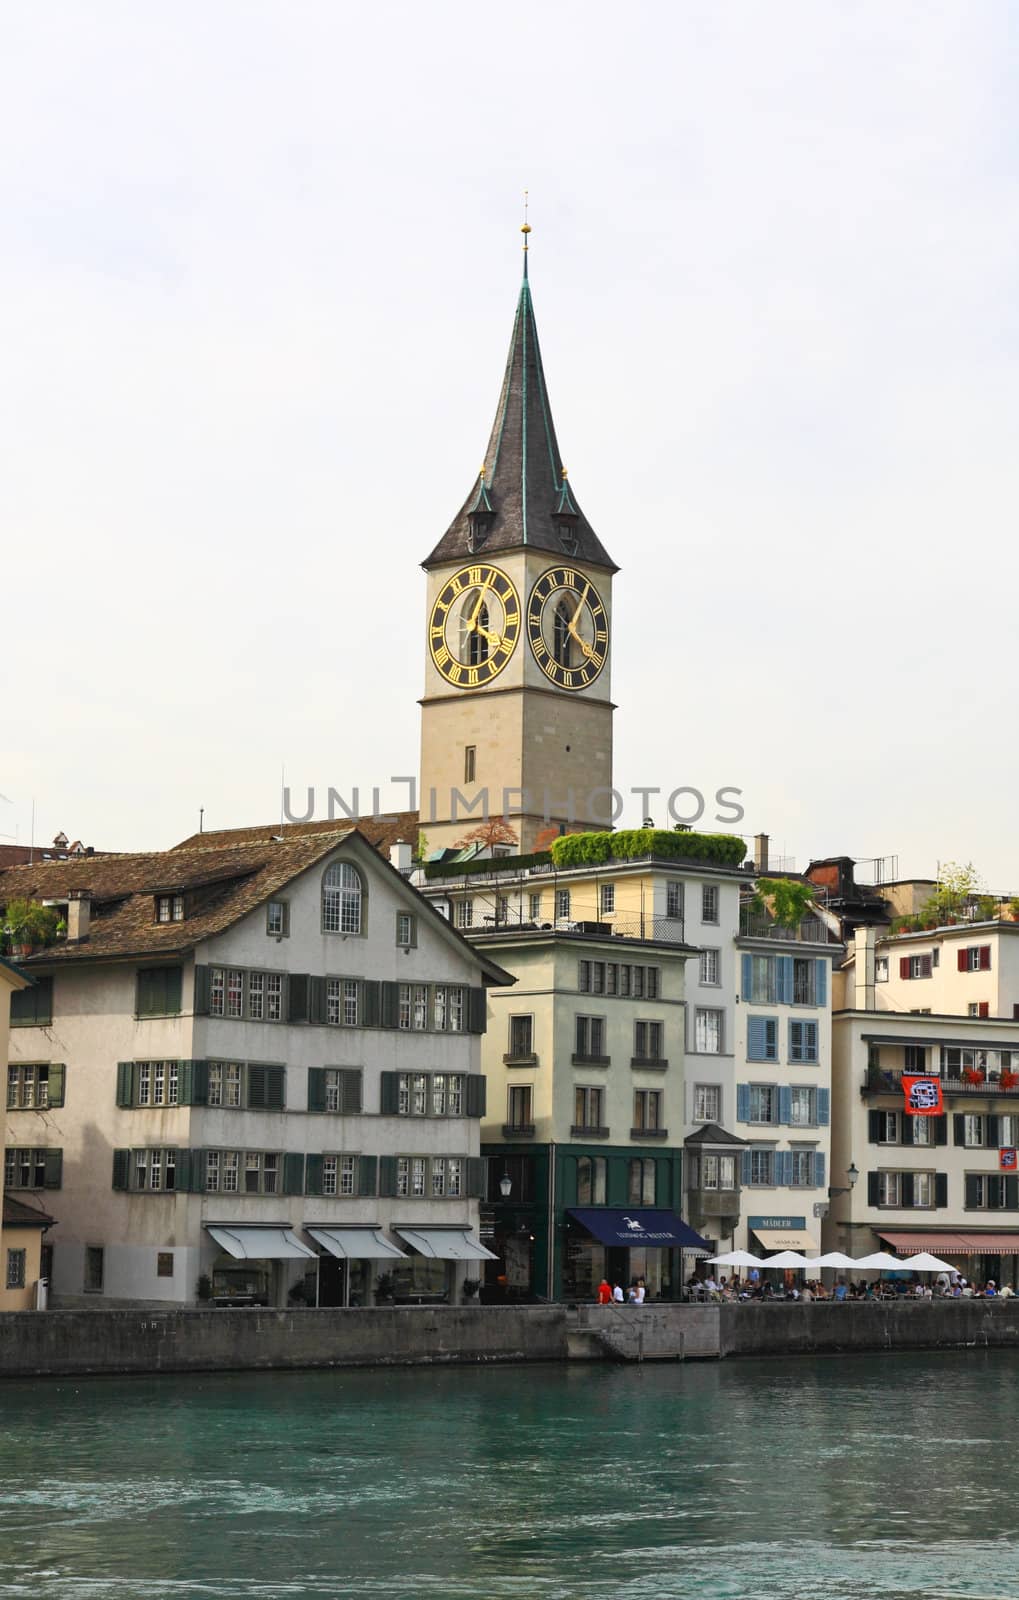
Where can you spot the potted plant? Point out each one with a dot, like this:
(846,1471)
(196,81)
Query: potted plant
(1009,1079)
(28,925)
(973,1075)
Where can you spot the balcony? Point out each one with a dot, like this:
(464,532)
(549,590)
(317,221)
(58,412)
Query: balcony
(649,1063)
(520,1058)
(648,1133)
(583,922)
(578,1060)
(752,925)
(888,1080)
(518,1130)
(580,1131)
(714,1202)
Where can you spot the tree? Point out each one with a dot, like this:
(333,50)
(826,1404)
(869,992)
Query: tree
(493,831)
(956,886)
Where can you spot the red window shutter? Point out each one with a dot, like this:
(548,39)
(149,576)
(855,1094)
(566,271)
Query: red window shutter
(985,958)
(903,966)
(985,1008)
(963,961)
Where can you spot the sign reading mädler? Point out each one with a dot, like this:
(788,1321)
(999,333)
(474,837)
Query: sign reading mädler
(1008,1160)
(923,1096)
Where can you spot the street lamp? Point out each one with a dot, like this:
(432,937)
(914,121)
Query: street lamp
(505,1185)
(852,1176)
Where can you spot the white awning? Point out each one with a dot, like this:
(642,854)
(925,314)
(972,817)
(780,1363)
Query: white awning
(356,1244)
(446,1244)
(785,1239)
(259,1244)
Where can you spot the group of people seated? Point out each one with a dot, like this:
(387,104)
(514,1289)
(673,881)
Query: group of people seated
(947,1285)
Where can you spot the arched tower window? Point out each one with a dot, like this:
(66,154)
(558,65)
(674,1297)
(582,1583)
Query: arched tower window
(477,643)
(342,899)
(473,631)
(561,637)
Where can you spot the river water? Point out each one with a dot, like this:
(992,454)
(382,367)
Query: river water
(845,1477)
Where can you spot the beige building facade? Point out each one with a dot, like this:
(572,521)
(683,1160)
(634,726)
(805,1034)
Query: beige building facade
(23,1226)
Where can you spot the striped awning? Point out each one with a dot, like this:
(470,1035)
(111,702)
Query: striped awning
(953,1244)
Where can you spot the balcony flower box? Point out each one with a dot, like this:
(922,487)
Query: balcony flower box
(973,1076)
(1009,1080)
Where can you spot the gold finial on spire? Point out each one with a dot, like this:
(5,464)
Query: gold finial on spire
(482,472)
(525,230)
(565,474)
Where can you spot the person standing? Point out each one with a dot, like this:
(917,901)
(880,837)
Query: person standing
(617,1294)
(604,1292)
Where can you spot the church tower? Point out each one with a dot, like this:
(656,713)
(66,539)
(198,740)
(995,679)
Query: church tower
(516,714)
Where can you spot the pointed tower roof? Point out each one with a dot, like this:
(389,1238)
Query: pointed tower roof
(523,497)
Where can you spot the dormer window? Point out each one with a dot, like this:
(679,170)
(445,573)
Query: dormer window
(478,524)
(169,908)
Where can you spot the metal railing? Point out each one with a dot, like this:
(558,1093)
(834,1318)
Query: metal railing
(584,922)
(888,1080)
(752,925)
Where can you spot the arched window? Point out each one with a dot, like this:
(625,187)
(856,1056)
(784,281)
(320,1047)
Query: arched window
(342,897)
(561,635)
(473,630)
(477,646)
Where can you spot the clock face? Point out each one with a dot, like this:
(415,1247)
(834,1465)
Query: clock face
(474,626)
(567,628)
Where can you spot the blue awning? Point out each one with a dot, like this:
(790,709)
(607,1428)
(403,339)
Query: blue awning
(639,1228)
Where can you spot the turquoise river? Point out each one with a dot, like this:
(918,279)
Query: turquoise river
(860,1476)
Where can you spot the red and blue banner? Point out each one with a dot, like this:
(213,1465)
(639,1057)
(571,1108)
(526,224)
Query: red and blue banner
(923,1096)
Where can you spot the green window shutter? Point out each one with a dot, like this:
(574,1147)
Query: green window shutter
(941,1129)
(477,1092)
(313,1174)
(121,1168)
(350,1091)
(387,1175)
(293,1173)
(1012,1193)
(255,1099)
(316,1089)
(873,1127)
(972,1191)
(389,1005)
(906,1190)
(33,1008)
(54,1169)
(995,1192)
(317,1000)
(389,1094)
(185,1083)
(476,1177)
(203,991)
(55,1087)
(275,1088)
(298,997)
(158,991)
(958,1128)
(125,1083)
(993,1140)
(370,1002)
(367,1175)
(196,1074)
(197,1174)
(941,1189)
(173,988)
(182,1176)
(821,986)
(477,1011)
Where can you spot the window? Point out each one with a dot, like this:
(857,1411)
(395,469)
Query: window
(562,904)
(243,1171)
(418,1177)
(154,1171)
(762,981)
(224,1083)
(717,1171)
(257,996)
(763,1103)
(708,1032)
(448,1008)
(335,1089)
(800,1168)
(888,1127)
(465,913)
(709,968)
(642,1185)
(342,897)
(974,1130)
(889,1188)
(955,1061)
(94,1263)
(607,898)
(647,1041)
(29,1086)
(521,1036)
(881,969)
(164,1263)
(923,1189)
(1008,1131)
(342,1002)
(157,1083)
(158,991)
(914,1059)
(591,1038)
(169,908)
(15,1277)
(803,1041)
(534,907)
(429,1094)
(923,1130)
(976,958)
(588,1106)
(33,1008)
(519,1108)
(412,1010)
(709,902)
(674,900)
(277,919)
(804,987)
(234,993)
(762,1167)
(255,1085)
(802,1108)
(27,1167)
(762,1038)
(406,930)
(470,763)
(647,1110)
(915,967)
(591,1180)
(707,1102)
(991,1191)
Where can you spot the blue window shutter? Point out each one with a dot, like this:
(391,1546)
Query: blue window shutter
(743,1102)
(771,1038)
(823,1107)
(745,1164)
(784,980)
(748,978)
(795,1037)
(819,1164)
(756,1038)
(785,1105)
(821,987)
(780,1168)
(810,1041)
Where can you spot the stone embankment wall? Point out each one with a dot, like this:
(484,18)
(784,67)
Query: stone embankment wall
(72,1343)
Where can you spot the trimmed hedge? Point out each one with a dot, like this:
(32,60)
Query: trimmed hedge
(480,864)
(631,844)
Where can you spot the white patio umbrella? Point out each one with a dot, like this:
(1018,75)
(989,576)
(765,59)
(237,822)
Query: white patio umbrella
(735,1258)
(786,1258)
(925,1262)
(882,1260)
(834,1258)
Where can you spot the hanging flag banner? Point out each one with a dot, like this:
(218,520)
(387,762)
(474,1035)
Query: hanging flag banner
(923,1096)
(1008,1160)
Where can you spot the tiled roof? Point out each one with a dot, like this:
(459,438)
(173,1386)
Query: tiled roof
(382,832)
(524,498)
(14,855)
(17,1214)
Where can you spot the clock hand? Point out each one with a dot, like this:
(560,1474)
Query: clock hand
(472,626)
(571,626)
(576,614)
(500,642)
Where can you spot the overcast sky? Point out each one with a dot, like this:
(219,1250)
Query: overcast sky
(258,266)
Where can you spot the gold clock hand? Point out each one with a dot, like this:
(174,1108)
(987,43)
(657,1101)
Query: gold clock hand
(576,614)
(571,627)
(472,626)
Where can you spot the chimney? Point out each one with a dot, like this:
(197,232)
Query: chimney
(761,852)
(400,856)
(79,913)
(864,998)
